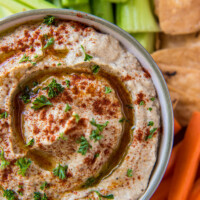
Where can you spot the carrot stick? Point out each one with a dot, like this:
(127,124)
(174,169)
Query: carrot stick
(187,161)
(195,193)
(163,189)
(177,127)
(170,166)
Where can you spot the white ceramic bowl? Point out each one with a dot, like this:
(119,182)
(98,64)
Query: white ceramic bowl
(142,55)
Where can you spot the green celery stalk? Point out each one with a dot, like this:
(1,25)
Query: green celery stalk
(14,6)
(136,16)
(84,8)
(69,3)
(37,4)
(4,12)
(147,40)
(118,1)
(103,9)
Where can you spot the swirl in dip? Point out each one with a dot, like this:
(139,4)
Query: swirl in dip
(79,116)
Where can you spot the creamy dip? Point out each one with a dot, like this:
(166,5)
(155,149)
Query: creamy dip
(79,116)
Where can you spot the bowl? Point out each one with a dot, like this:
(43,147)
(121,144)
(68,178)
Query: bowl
(131,44)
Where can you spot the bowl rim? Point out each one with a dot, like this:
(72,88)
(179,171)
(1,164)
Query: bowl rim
(145,59)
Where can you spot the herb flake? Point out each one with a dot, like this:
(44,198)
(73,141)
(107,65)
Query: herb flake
(60,171)
(4,162)
(84,145)
(129,173)
(9,194)
(23,164)
(49,43)
(108,90)
(3,115)
(44,185)
(87,56)
(49,20)
(76,116)
(68,107)
(30,143)
(109,196)
(152,131)
(67,83)
(62,136)
(40,102)
(95,69)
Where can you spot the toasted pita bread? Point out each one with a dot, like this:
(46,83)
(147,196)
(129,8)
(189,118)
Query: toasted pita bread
(182,75)
(178,16)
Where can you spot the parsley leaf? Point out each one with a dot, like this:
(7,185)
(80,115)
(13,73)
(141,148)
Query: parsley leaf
(89,182)
(49,20)
(44,185)
(150,109)
(122,120)
(4,162)
(24,59)
(96,155)
(62,137)
(23,164)
(99,126)
(129,106)
(30,143)
(54,89)
(9,194)
(150,123)
(60,171)
(107,90)
(59,64)
(41,102)
(87,57)
(25,96)
(95,69)
(67,83)
(142,103)
(153,98)
(3,115)
(129,173)
(38,196)
(152,131)
(68,107)
(110,196)
(77,117)
(49,43)
(96,135)
(84,145)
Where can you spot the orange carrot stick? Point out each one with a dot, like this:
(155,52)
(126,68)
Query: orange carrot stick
(177,127)
(170,166)
(187,161)
(163,189)
(195,193)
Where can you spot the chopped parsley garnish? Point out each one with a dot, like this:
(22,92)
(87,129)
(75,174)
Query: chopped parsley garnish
(67,83)
(76,116)
(23,164)
(107,90)
(122,120)
(87,57)
(150,109)
(49,43)
(24,59)
(152,131)
(41,102)
(25,96)
(96,135)
(68,107)
(99,126)
(95,69)
(4,162)
(96,155)
(38,196)
(3,115)
(59,64)
(129,173)
(36,56)
(60,171)
(84,145)
(9,194)
(33,63)
(35,83)
(30,143)
(62,136)
(153,98)
(150,123)
(142,103)
(129,106)
(49,20)
(44,185)
(109,196)
(89,182)
(54,89)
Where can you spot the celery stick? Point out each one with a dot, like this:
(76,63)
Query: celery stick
(4,12)
(103,9)
(136,16)
(147,40)
(118,1)
(37,4)
(14,6)
(68,3)
(84,8)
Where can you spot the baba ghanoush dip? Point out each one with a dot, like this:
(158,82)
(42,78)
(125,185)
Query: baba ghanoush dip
(79,116)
